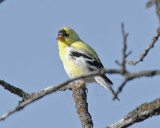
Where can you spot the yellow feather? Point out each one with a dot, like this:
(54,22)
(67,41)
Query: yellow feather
(83,46)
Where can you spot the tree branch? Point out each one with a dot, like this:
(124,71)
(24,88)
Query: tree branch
(124,35)
(80,99)
(150,3)
(130,76)
(124,55)
(37,95)
(151,45)
(157,3)
(139,114)
(14,90)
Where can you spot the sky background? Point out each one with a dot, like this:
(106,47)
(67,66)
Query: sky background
(29,59)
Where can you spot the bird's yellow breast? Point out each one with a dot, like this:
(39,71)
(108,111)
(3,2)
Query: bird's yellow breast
(71,68)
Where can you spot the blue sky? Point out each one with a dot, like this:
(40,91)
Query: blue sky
(30,60)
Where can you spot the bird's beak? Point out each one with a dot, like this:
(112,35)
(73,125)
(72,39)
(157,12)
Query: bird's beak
(60,38)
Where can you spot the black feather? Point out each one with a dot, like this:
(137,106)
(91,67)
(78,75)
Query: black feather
(77,54)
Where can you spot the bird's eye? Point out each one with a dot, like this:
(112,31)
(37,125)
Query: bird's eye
(63,33)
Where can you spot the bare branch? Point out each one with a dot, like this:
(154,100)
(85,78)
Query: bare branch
(14,90)
(61,87)
(81,105)
(124,35)
(130,76)
(124,55)
(158,9)
(150,3)
(37,95)
(120,89)
(157,3)
(128,53)
(151,45)
(139,114)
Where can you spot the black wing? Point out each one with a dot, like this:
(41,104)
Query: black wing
(93,63)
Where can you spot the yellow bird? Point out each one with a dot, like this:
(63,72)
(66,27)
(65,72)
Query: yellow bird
(79,58)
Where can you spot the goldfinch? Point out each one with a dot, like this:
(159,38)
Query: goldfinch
(79,58)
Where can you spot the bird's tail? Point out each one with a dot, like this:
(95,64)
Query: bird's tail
(106,83)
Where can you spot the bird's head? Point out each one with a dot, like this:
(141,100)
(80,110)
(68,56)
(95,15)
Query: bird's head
(67,35)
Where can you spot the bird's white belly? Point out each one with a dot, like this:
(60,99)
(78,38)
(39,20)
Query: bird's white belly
(75,68)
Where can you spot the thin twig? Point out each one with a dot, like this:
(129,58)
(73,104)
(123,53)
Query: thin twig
(120,89)
(158,9)
(124,35)
(157,3)
(150,3)
(130,76)
(151,45)
(139,114)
